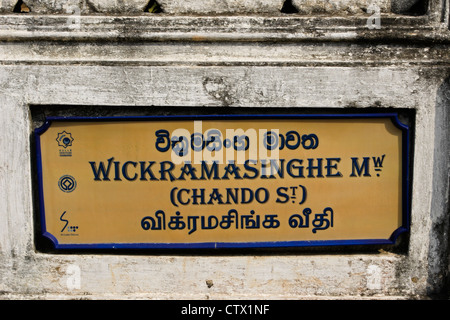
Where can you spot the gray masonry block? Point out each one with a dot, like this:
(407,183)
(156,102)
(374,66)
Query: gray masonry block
(341,7)
(221,7)
(116,6)
(7,5)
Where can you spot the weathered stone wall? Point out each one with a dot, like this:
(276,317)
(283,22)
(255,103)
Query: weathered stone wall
(207,7)
(99,57)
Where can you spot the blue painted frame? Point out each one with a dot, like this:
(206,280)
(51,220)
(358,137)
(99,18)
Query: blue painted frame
(213,245)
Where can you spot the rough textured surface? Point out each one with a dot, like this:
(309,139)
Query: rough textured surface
(161,66)
(54,6)
(114,6)
(341,7)
(221,7)
(208,7)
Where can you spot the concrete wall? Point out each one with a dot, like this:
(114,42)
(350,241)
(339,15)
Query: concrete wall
(104,57)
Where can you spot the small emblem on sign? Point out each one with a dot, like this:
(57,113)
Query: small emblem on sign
(64,139)
(69,228)
(67,183)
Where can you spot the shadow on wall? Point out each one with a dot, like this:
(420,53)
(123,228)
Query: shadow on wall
(21,7)
(410,7)
(439,254)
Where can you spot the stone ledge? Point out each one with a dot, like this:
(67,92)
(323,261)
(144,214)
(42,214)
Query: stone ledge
(201,296)
(218,28)
(231,54)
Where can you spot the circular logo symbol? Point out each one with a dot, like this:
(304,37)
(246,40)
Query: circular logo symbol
(67,183)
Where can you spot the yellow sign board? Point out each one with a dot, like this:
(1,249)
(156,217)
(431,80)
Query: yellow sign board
(223,181)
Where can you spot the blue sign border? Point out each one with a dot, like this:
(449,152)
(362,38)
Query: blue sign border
(214,245)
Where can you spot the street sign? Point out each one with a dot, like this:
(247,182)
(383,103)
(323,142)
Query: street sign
(223,181)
